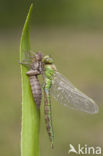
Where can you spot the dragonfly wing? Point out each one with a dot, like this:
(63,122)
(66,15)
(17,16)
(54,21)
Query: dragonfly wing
(65,93)
(29,55)
(28,59)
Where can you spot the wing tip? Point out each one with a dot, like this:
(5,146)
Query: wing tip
(95,110)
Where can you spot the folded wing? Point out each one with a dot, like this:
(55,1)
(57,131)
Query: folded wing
(65,93)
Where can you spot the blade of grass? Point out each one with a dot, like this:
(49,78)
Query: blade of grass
(30,114)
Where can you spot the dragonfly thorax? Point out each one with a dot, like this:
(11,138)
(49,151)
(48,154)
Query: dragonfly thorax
(49,71)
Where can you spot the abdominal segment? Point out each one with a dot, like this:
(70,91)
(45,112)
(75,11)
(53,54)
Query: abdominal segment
(36,90)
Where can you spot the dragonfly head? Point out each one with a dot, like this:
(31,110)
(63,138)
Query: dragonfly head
(38,56)
(48,60)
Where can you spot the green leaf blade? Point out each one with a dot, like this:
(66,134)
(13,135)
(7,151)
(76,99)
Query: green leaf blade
(30,114)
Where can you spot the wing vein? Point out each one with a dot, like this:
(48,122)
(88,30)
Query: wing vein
(65,93)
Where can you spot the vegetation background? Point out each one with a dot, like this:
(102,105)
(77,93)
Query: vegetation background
(72,32)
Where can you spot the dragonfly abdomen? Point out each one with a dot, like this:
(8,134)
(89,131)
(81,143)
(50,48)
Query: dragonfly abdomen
(49,72)
(48,117)
(36,90)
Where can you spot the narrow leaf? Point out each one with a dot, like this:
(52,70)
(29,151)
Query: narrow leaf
(30,114)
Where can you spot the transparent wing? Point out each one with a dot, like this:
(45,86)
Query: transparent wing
(65,93)
(29,57)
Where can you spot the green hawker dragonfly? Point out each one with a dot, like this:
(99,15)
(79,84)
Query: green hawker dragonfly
(56,85)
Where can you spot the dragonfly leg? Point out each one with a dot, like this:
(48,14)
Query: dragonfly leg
(26,63)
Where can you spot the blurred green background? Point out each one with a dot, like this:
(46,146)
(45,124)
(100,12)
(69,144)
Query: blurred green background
(72,32)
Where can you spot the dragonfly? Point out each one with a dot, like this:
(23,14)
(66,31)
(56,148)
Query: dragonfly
(55,85)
